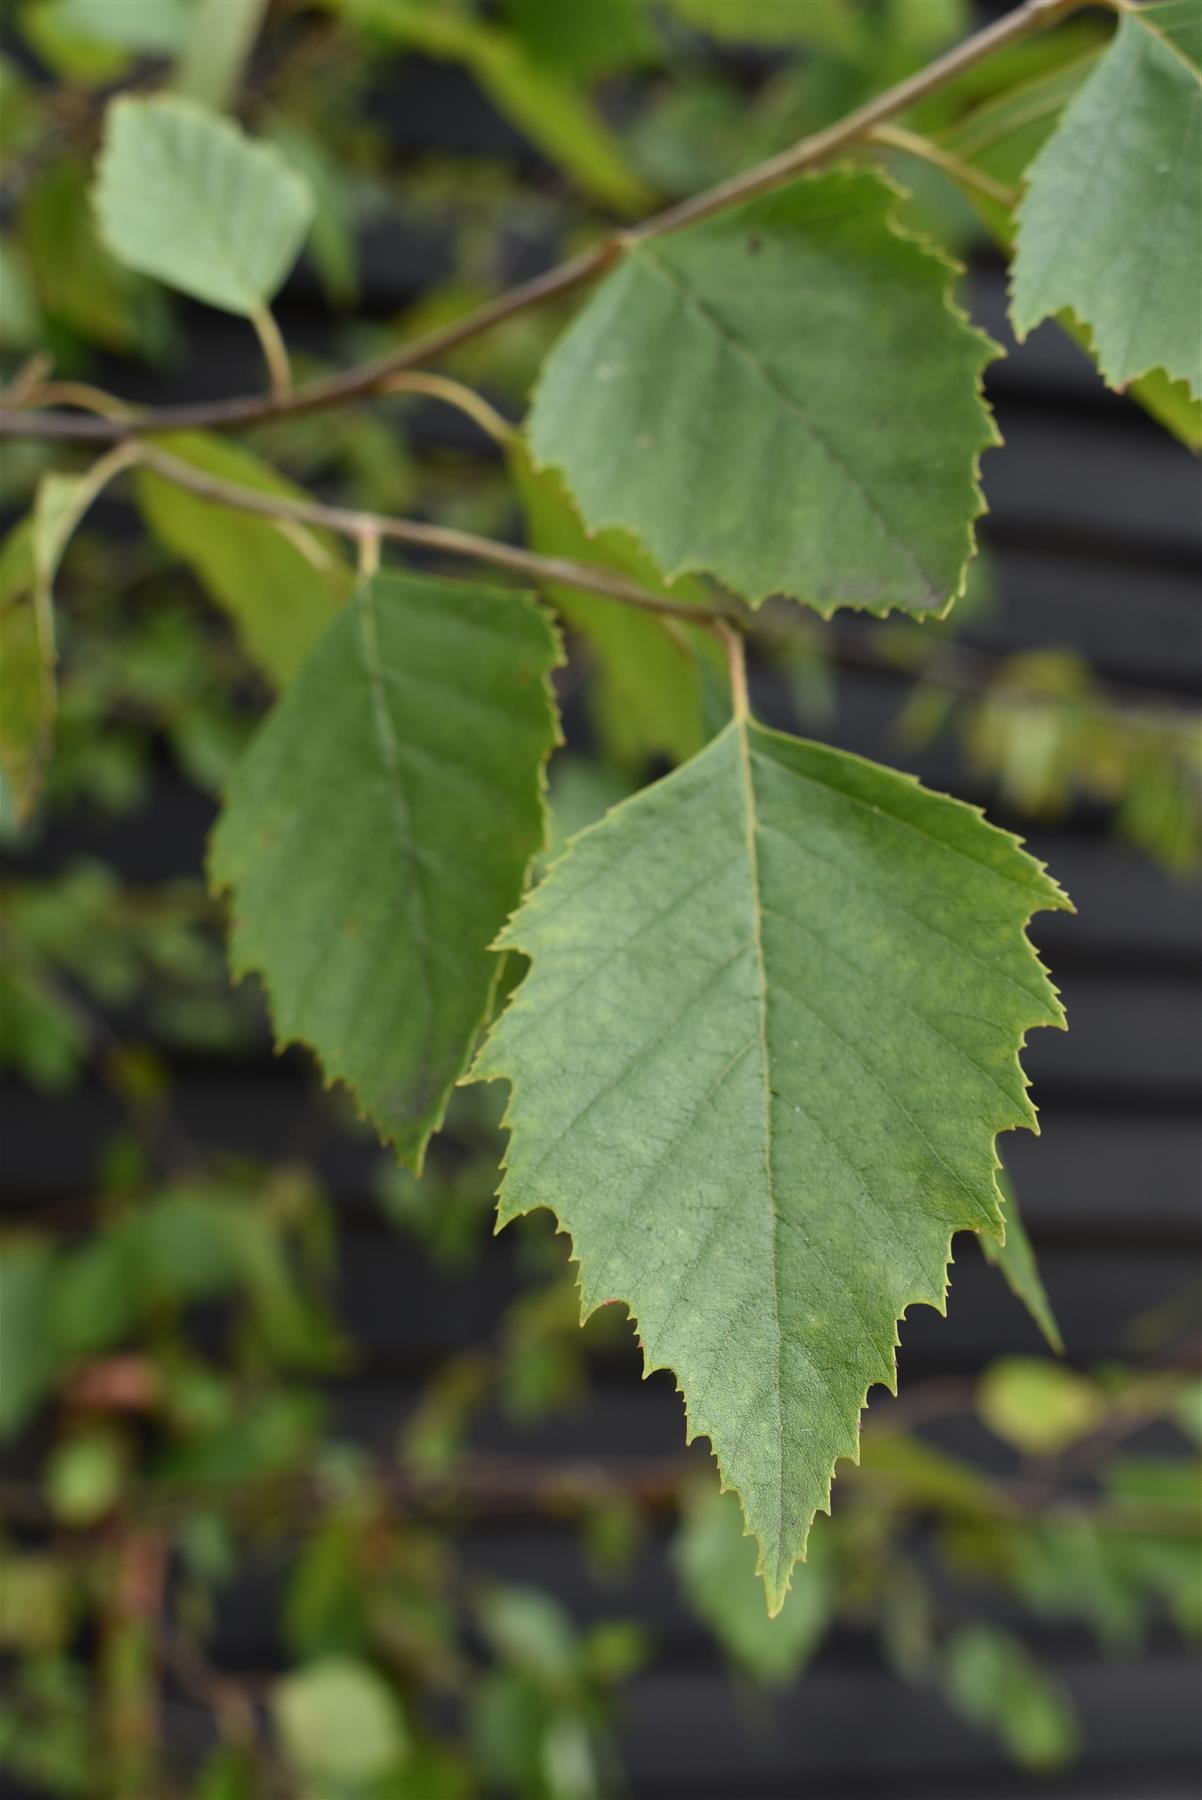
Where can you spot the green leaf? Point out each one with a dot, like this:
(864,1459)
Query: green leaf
(92,41)
(187,197)
(1039,1407)
(406,758)
(1111,225)
(586,40)
(716,1564)
(85,1475)
(990,1678)
(282,586)
(28,681)
(820,24)
(547,109)
(27,678)
(783,397)
(26,1354)
(339,1721)
(1016,1260)
(1002,138)
(767,1040)
(219,38)
(78,282)
(646,695)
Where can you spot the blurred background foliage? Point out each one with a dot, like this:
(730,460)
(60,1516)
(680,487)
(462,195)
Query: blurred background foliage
(171,1347)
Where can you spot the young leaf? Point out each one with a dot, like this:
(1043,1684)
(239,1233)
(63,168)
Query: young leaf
(768,1037)
(1016,1260)
(1111,225)
(247,563)
(783,397)
(377,835)
(187,197)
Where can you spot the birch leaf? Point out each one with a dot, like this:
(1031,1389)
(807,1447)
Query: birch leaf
(768,1037)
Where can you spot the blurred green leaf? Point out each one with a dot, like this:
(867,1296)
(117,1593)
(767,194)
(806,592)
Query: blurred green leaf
(27,1359)
(531,1632)
(989,1677)
(1016,1260)
(548,110)
(27,672)
(339,1721)
(716,1565)
(216,42)
(1039,1407)
(585,39)
(187,197)
(85,1474)
(37,1603)
(245,563)
(827,24)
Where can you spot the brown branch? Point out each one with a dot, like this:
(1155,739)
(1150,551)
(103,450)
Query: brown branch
(555,571)
(373,377)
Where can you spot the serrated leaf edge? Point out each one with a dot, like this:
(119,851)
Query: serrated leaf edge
(242,966)
(991,352)
(777,1590)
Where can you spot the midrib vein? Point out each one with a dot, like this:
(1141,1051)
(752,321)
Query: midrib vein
(814,432)
(390,756)
(753,861)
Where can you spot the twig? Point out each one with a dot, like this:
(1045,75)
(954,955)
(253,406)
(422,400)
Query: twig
(552,571)
(374,377)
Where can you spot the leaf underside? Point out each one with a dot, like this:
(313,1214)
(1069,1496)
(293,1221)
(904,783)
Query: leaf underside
(378,832)
(1111,225)
(783,397)
(768,1037)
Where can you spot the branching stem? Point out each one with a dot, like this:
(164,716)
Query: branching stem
(377,376)
(554,571)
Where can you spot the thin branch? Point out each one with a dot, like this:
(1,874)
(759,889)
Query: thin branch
(545,571)
(374,377)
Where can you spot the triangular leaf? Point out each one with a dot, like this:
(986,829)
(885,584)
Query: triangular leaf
(248,563)
(378,831)
(767,1039)
(1111,225)
(189,198)
(782,397)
